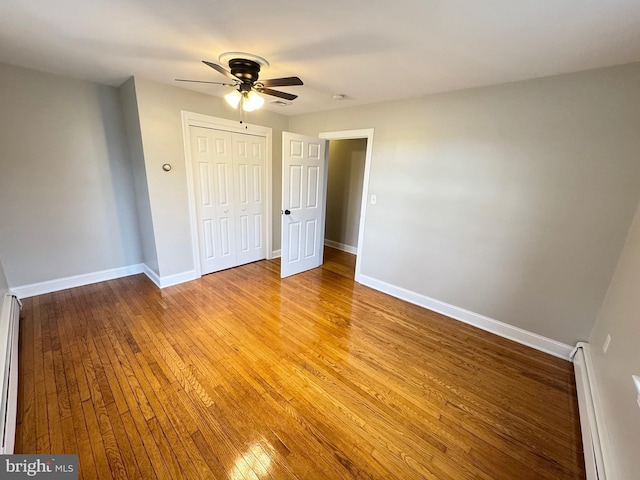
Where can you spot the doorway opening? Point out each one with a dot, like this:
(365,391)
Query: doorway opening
(349,166)
(345,177)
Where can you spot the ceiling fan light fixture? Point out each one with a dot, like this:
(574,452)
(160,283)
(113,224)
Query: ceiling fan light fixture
(252,101)
(226,56)
(233,98)
(244,72)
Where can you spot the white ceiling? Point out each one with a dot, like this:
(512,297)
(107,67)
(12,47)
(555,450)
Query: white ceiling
(369,50)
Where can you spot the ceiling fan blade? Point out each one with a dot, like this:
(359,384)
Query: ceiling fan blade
(221,70)
(282,82)
(276,93)
(202,81)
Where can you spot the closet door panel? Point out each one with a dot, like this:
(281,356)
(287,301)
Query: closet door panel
(212,162)
(249,161)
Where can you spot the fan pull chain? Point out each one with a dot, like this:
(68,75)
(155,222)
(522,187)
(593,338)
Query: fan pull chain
(242,113)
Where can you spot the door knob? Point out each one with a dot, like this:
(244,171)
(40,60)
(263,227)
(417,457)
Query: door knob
(287,212)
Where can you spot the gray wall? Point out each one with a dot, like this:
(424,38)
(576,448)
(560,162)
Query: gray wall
(66,194)
(159,108)
(344,190)
(4,285)
(510,201)
(613,370)
(131,118)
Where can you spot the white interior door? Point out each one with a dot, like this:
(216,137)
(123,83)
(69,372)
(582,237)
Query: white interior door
(228,172)
(303,202)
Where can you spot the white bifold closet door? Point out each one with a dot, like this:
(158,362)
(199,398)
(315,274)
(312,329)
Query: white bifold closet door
(229,178)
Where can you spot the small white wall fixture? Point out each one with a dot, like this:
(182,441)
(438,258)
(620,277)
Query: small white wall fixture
(366,133)
(192,119)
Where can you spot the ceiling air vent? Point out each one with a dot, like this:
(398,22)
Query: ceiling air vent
(280,103)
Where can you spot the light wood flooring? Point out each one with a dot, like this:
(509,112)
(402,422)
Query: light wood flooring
(241,375)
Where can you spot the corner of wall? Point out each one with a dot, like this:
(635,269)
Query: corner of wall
(130,108)
(4,284)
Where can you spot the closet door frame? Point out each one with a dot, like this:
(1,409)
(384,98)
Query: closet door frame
(192,119)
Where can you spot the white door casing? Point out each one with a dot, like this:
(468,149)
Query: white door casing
(303,196)
(228,173)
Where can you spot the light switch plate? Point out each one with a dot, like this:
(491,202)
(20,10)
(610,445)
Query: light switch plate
(374,199)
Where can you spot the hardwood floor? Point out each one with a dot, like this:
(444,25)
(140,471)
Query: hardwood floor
(340,263)
(240,375)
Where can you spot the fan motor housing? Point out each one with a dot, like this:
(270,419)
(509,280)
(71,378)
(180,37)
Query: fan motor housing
(245,70)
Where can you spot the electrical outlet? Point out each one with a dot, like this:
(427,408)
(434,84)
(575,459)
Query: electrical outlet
(607,341)
(374,199)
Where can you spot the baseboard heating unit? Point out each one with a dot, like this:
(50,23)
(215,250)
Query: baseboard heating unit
(591,422)
(9,326)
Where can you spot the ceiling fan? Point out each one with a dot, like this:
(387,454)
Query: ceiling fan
(244,73)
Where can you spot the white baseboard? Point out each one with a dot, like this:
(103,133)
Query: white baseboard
(505,330)
(49,286)
(341,246)
(276,253)
(170,280)
(153,276)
